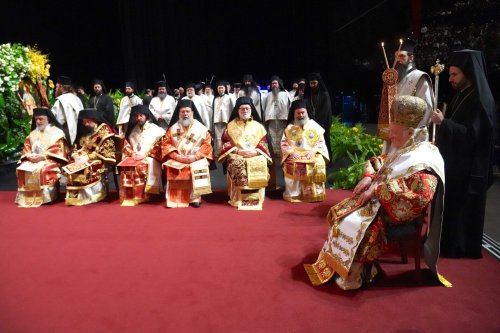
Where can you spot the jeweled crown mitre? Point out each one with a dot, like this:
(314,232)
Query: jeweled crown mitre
(408,111)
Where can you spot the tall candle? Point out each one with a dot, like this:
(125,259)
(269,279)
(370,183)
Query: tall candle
(385,55)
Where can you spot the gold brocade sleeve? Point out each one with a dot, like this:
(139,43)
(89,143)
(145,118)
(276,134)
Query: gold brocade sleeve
(26,149)
(155,151)
(404,199)
(167,145)
(106,151)
(100,145)
(227,146)
(58,151)
(128,150)
(206,149)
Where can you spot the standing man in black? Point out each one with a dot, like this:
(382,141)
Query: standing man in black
(319,104)
(465,139)
(102,102)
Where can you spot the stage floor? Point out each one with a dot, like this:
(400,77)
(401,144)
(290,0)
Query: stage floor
(106,268)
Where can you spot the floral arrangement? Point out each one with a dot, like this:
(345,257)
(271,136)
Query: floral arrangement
(39,66)
(14,65)
(23,69)
(355,145)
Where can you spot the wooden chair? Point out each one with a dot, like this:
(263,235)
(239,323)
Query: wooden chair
(410,233)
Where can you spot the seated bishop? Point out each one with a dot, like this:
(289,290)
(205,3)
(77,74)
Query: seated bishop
(395,190)
(304,155)
(140,168)
(187,150)
(45,150)
(93,151)
(245,154)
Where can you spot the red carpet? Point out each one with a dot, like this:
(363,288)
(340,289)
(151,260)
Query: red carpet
(106,268)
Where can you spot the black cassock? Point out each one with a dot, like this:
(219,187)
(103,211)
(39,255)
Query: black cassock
(320,109)
(103,104)
(465,140)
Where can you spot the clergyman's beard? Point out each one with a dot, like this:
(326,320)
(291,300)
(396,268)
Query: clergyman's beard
(275,91)
(129,94)
(301,122)
(403,70)
(162,96)
(461,85)
(186,122)
(87,130)
(42,127)
(248,90)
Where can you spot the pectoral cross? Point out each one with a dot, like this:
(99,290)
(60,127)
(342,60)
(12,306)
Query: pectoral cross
(190,138)
(177,134)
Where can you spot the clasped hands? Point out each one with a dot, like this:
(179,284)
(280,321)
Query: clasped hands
(308,156)
(247,153)
(186,159)
(365,191)
(79,159)
(35,157)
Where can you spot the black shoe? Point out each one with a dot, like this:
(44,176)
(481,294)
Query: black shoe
(196,204)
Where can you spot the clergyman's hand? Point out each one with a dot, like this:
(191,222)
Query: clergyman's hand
(362,185)
(437,117)
(365,196)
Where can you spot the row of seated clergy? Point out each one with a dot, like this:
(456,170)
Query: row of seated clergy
(187,151)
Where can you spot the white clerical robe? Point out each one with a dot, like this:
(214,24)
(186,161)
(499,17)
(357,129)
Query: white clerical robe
(419,84)
(163,108)
(126,105)
(66,109)
(223,106)
(209,100)
(277,106)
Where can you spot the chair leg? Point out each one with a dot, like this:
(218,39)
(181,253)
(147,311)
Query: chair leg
(402,250)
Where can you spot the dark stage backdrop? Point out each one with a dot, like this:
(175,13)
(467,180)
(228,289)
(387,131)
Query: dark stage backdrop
(195,40)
